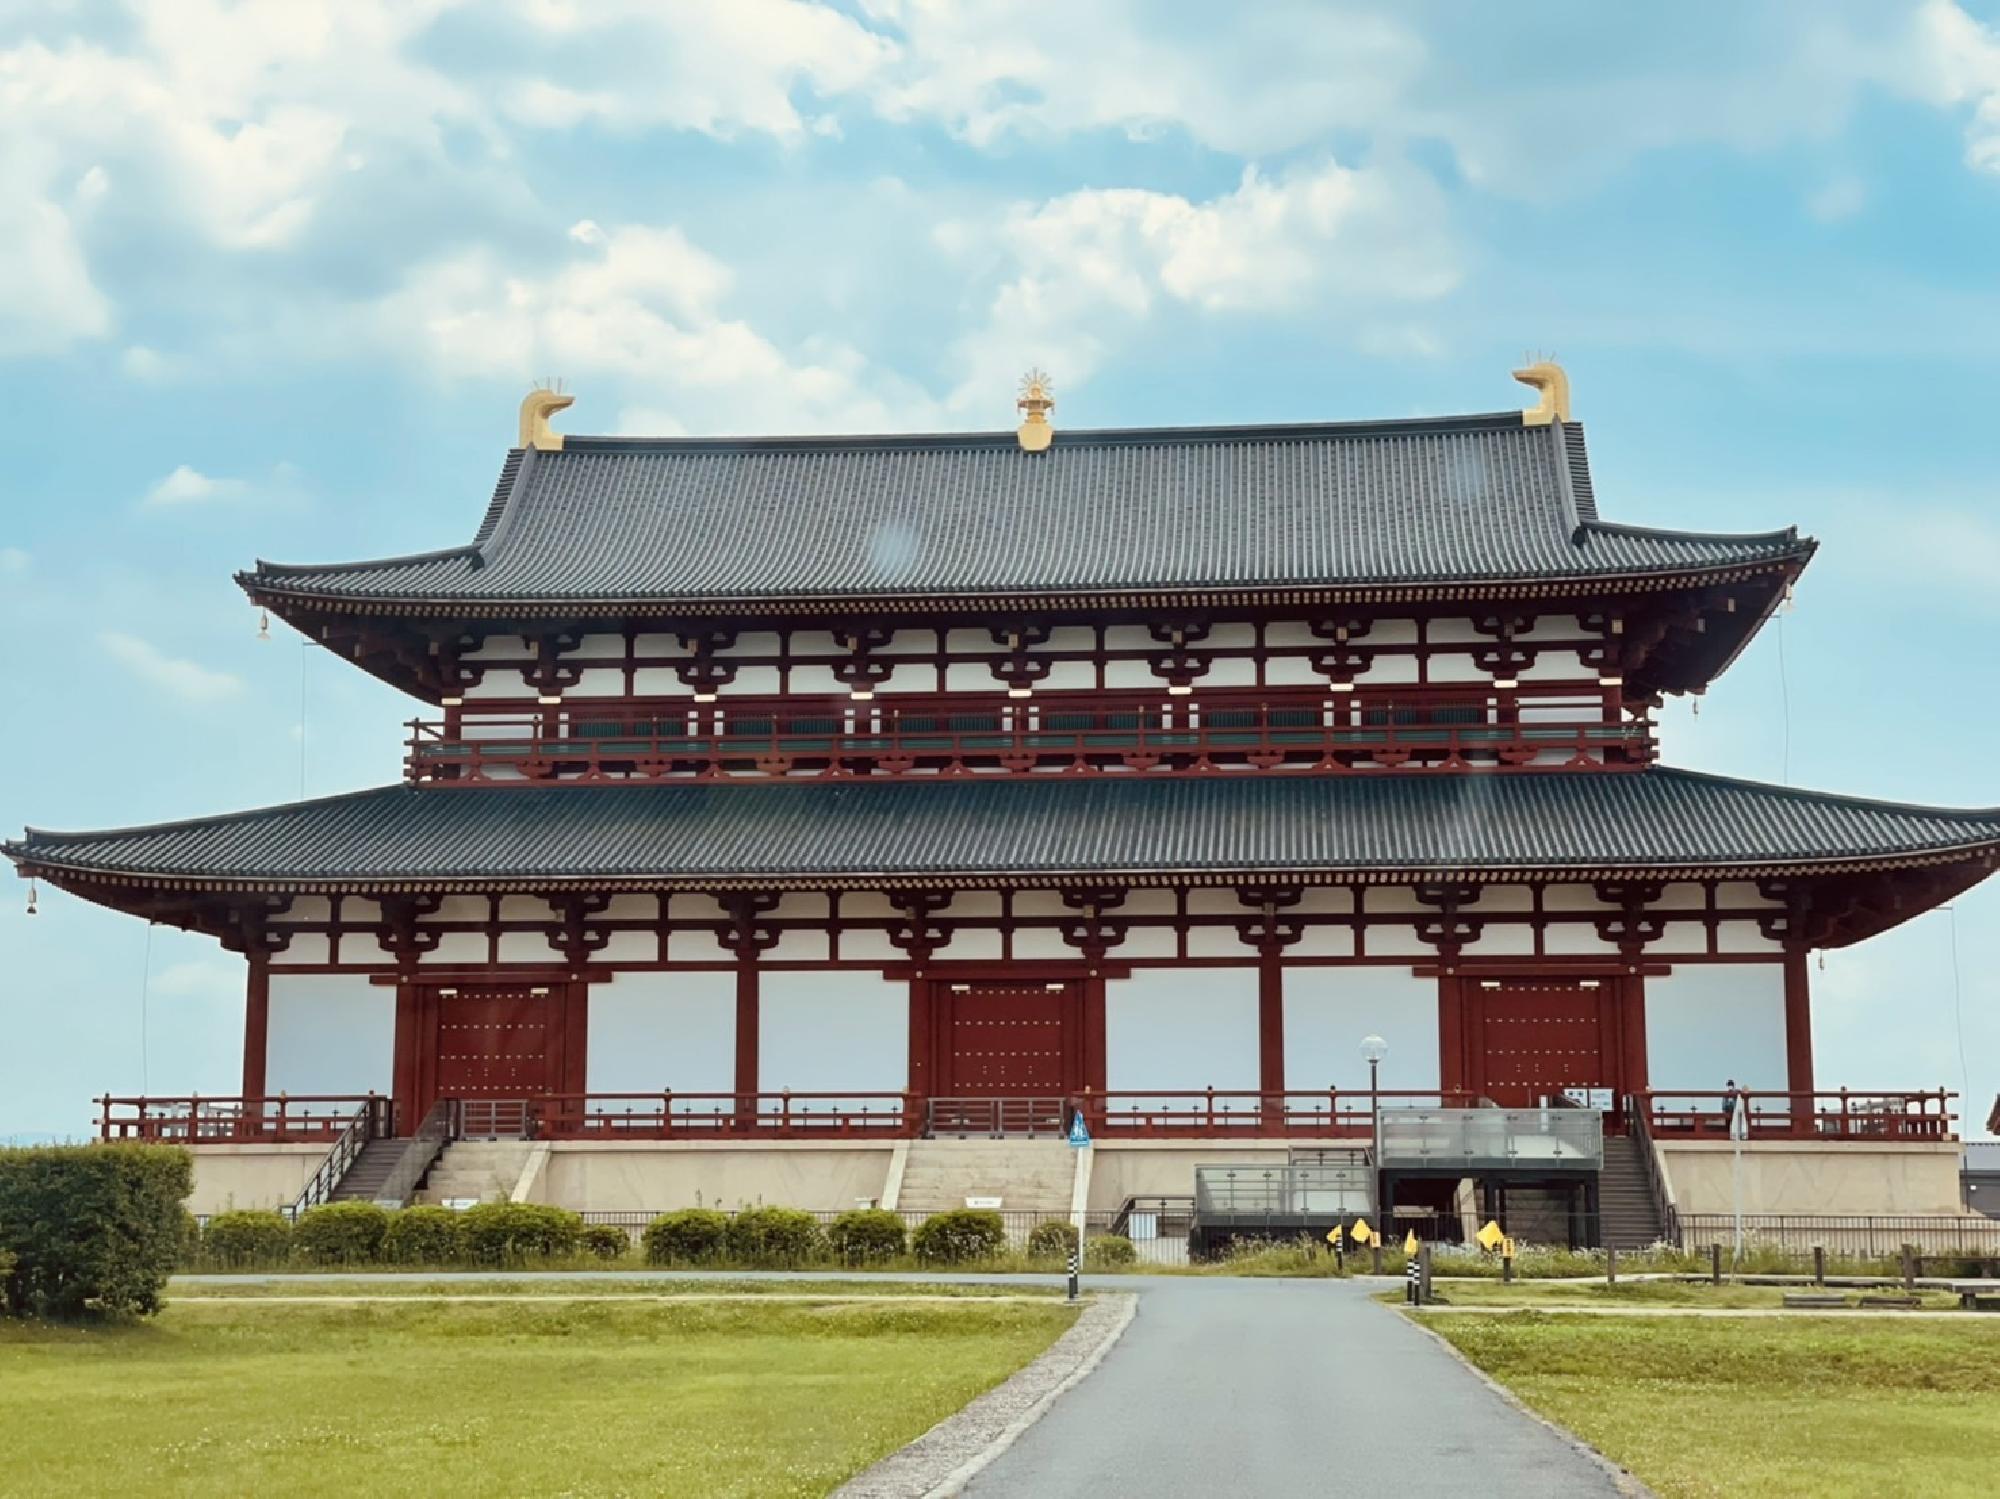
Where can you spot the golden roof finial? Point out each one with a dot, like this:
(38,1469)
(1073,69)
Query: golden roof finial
(1037,400)
(541,403)
(1545,375)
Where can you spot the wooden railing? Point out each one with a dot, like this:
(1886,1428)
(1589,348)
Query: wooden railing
(1843,1114)
(1111,731)
(671,1116)
(195,1119)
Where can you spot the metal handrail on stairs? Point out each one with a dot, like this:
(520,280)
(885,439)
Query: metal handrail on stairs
(1656,1176)
(347,1146)
(426,1144)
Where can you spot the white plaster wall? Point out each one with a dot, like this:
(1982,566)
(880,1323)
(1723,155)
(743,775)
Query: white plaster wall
(330,1033)
(1180,1029)
(844,1031)
(1707,1022)
(1328,1011)
(650,1032)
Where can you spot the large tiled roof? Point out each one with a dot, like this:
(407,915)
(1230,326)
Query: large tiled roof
(1025,828)
(1461,500)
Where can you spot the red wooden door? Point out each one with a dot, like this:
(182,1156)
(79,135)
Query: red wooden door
(496,1040)
(1011,1040)
(1539,1037)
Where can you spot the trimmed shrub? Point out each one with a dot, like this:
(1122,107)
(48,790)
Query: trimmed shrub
(1051,1240)
(1107,1251)
(424,1235)
(686,1237)
(90,1227)
(607,1241)
(959,1236)
(341,1233)
(777,1236)
(499,1232)
(867,1235)
(251,1236)
(190,1245)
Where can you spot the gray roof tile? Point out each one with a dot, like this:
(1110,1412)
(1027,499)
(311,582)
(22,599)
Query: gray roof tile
(1449,500)
(1026,827)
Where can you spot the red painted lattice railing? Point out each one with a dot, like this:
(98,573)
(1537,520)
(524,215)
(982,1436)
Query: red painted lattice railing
(668,1116)
(1110,731)
(1842,1114)
(1214,1112)
(196,1119)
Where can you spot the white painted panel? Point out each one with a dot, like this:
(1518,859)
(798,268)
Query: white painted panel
(306,908)
(1388,670)
(457,947)
(1571,898)
(1330,1011)
(598,681)
(970,676)
(597,648)
(753,643)
(1555,666)
(1555,627)
(1149,942)
(911,643)
(1680,937)
(760,680)
(1454,632)
(1178,1029)
(306,947)
(629,947)
(697,947)
(527,947)
(1069,676)
(1397,942)
(1231,671)
(967,642)
(631,907)
(1290,632)
(970,905)
(1504,939)
(1236,636)
(1216,942)
(330,1033)
(651,1032)
(1743,937)
(659,645)
(499,682)
(801,947)
(1455,669)
(1576,937)
(1130,674)
(1291,671)
(1323,942)
(657,681)
(1324,900)
(1070,638)
(525,908)
(496,648)
(1708,1022)
(836,1031)
(982,944)
(1740,895)
(817,680)
(868,947)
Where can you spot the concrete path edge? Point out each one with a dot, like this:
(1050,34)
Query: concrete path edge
(1623,1479)
(941,1462)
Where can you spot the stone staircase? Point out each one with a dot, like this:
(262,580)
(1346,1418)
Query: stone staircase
(484,1170)
(1629,1219)
(365,1178)
(1036,1176)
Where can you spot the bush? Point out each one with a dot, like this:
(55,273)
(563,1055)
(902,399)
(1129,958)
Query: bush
(781,1236)
(607,1241)
(90,1227)
(958,1236)
(866,1235)
(248,1237)
(500,1232)
(686,1237)
(1052,1240)
(190,1241)
(1109,1250)
(341,1233)
(421,1236)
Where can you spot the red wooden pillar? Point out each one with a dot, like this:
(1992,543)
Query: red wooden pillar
(1271,1034)
(746,1045)
(1632,1010)
(414,1040)
(919,1081)
(1798,1024)
(1451,1035)
(256,1026)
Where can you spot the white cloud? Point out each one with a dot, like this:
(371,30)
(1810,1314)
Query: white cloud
(645,306)
(147,365)
(1088,268)
(186,680)
(1953,60)
(1837,199)
(13,561)
(188,486)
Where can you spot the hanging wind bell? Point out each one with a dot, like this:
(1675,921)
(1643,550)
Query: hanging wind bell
(31,897)
(263,624)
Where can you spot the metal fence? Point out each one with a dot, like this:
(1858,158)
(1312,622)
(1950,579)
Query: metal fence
(1476,1140)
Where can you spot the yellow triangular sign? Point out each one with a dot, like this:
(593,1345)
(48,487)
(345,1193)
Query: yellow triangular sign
(1333,1236)
(1410,1242)
(1362,1232)
(1490,1237)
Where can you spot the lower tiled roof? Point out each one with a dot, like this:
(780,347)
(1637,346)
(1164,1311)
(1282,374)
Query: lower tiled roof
(1024,829)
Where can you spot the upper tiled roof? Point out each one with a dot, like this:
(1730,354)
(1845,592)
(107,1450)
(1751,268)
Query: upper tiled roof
(1461,500)
(1027,827)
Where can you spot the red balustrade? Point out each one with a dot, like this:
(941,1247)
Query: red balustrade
(1842,1114)
(196,1119)
(696,1116)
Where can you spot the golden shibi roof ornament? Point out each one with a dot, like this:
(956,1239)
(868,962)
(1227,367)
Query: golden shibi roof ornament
(1545,375)
(541,403)
(1038,399)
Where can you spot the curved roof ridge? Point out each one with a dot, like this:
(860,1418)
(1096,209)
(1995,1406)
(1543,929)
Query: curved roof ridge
(212,819)
(1783,535)
(1813,794)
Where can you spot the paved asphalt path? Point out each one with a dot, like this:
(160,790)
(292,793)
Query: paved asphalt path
(1306,1387)
(1225,1386)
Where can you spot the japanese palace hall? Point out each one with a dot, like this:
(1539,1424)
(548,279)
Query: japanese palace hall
(777,784)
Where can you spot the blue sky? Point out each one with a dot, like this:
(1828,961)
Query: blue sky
(277,273)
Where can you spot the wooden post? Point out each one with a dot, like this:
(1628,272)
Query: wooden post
(1610,1265)
(1819,1264)
(1423,1275)
(1909,1267)
(1375,1253)
(1715,1264)
(746,1048)
(256,1030)
(1798,1040)
(1271,1037)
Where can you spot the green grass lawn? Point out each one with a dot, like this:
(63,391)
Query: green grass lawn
(1762,1408)
(622,1397)
(1649,1293)
(635,1284)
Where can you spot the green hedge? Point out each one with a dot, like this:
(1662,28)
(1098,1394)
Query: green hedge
(866,1236)
(1107,1251)
(686,1237)
(90,1227)
(775,1236)
(605,1240)
(422,1235)
(1052,1240)
(963,1234)
(341,1233)
(250,1236)
(496,1233)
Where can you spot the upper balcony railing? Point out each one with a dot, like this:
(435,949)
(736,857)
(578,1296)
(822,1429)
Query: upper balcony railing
(1095,733)
(1833,1115)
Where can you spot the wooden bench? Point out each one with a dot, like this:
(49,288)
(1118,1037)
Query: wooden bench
(1902,1299)
(1813,1299)
(1978,1295)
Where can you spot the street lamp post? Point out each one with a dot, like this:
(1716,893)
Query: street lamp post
(1374,1048)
